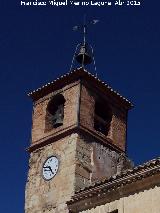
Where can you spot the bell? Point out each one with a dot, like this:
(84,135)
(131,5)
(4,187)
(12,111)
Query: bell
(57,118)
(57,122)
(83,56)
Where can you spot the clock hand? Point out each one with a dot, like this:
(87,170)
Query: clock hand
(51,169)
(48,167)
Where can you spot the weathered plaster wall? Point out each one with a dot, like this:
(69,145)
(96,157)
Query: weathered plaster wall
(147,201)
(95,161)
(107,162)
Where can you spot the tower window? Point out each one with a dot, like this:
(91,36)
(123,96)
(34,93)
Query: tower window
(55,112)
(102,117)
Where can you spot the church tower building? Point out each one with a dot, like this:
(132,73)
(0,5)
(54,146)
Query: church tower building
(78,137)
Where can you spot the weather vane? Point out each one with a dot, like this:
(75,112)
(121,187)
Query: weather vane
(84,52)
(85,26)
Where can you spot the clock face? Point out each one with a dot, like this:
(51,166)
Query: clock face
(50,167)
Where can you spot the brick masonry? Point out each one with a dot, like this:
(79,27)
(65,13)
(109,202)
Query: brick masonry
(117,132)
(70,94)
(83,158)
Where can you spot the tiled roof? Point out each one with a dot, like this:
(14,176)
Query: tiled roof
(127,177)
(70,76)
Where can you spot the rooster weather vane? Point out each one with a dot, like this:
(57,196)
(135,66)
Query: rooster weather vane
(84,52)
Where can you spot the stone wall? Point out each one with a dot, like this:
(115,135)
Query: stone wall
(50,196)
(83,162)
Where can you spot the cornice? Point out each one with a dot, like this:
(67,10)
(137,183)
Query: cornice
(72,76)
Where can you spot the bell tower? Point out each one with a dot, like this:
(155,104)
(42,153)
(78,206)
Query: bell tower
(78,137)
(79,127)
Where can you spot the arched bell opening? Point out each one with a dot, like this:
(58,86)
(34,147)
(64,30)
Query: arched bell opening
(102,117)
(55,112)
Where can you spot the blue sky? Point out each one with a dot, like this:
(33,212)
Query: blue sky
(37,45)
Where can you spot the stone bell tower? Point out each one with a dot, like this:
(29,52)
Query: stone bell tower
(78,137)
